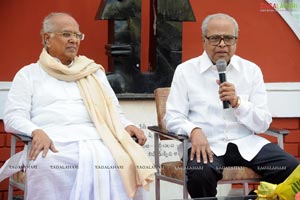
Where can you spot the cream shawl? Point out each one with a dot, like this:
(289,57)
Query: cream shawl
(135,167)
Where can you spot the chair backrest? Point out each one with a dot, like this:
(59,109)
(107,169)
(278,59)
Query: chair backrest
(161,96)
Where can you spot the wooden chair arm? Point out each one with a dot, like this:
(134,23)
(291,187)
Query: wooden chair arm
(163,132)
(275,132)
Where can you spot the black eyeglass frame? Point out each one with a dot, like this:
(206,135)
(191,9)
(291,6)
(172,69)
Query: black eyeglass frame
(225,38)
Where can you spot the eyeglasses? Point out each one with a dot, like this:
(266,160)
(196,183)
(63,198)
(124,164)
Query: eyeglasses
(215,40)
(68,35)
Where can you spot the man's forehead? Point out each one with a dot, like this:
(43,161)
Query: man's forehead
(64,19)
(65,23)
(221,25)
(220,22)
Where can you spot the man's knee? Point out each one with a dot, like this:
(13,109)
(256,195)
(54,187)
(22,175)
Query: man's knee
(291,164)
(202,181)
(203,174)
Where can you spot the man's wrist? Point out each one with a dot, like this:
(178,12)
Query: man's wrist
(195,130)
(238,102)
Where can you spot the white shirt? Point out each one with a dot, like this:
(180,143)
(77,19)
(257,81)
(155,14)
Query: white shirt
(39,101)
(194,102)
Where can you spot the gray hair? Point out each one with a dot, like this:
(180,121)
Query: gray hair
(49,25)
(218,16)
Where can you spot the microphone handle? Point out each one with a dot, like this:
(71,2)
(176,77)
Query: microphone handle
(222,77)
(226,104)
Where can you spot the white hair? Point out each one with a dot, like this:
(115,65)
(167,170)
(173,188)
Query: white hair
(218,16)
(49,25)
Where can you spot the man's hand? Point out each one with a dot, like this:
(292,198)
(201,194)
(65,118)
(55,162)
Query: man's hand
(200,147)
(40,142)
(227,93)
(135,131)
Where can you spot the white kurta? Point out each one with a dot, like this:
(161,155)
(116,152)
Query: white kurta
(39,101)
(194,102)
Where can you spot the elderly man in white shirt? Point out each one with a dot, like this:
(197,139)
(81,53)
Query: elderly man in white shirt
(81,141)
(223,137)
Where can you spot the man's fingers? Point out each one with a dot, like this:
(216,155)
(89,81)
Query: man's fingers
(45,151)
(198,155)
(52,148)
(31,154)
(34,152)
(192,155)
(204,156)
(210,155)
(143,141)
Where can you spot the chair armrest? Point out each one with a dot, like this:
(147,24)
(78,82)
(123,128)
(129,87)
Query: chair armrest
(163,132)
(22,137)
(14,137)
(278,133)
(27,139)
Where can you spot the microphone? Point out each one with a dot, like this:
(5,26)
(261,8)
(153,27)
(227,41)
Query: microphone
(221,66)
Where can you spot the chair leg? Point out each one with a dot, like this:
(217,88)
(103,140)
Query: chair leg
(27,165)
(246,188)
(157,188)
(12,152)
(185,193)
(185,158)
(10,192)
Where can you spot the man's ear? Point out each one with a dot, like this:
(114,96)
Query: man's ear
(203,39)
(46,38)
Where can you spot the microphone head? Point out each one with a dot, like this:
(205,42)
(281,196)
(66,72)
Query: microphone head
(221,65)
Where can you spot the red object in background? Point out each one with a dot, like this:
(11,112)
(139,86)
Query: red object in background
(264,37)
(297,196)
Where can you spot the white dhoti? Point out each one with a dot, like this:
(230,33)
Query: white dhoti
(81,170)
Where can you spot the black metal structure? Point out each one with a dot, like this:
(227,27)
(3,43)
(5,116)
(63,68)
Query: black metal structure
(123,48)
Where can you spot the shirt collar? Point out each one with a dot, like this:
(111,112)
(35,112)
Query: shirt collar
(234,63)
(205,63)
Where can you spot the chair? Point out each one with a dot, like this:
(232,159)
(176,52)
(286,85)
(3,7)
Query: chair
(174,172)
